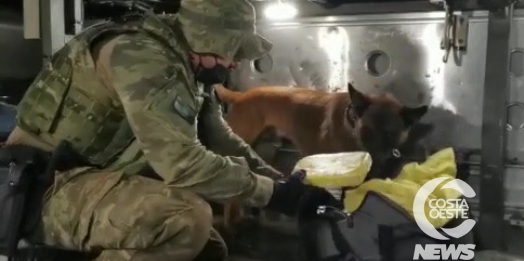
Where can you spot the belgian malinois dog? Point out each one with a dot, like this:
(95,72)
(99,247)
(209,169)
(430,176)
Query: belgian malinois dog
(322,122)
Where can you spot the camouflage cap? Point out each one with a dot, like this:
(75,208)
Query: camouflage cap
(222,27)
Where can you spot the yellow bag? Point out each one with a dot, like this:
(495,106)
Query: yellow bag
(402,190)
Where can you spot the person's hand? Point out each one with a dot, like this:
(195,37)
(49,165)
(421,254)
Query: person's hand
(292,197)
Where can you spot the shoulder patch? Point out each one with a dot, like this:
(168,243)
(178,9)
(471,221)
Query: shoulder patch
(185,111)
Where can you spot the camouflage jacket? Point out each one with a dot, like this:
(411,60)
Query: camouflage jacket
(136,89)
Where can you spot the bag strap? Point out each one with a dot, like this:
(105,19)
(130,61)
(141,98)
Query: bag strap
(338,227)
(386,243)
(338,238)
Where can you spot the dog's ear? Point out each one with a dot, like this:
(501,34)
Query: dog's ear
(420,130)
(358,100)
(412,115)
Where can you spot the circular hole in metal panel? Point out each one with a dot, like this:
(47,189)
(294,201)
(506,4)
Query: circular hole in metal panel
(377,63)
(264,64)
(515,116)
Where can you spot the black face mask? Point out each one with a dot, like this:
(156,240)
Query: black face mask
(210,76)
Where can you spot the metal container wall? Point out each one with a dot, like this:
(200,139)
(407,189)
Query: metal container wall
(20,59)
(400,53)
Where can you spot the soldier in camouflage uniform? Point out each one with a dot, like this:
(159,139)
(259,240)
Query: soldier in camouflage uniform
(127,96)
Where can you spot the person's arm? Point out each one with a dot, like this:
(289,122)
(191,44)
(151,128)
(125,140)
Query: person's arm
(221,139)
(155,93)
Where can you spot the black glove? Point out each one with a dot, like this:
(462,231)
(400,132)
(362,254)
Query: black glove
(292,197)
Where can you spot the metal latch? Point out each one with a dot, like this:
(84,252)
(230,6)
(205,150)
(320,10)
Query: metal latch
(455,30)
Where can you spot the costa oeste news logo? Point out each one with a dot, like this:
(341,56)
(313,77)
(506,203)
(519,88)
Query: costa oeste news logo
(441,208)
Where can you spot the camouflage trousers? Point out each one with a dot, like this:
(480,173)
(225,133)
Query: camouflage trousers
(133,218)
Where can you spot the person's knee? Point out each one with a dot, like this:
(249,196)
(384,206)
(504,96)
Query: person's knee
(151,217)
(193,223)
(184,233)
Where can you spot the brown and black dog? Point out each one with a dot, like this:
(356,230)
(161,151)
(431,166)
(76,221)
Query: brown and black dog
(321,122)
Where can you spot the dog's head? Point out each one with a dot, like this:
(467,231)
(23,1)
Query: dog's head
(381,123)
(412,151)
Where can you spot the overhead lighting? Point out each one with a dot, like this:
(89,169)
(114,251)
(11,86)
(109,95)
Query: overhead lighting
(280,11)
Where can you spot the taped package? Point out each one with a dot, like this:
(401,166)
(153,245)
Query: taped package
(335,170)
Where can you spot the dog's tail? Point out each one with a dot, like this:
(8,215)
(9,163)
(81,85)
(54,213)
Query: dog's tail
(226,95)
